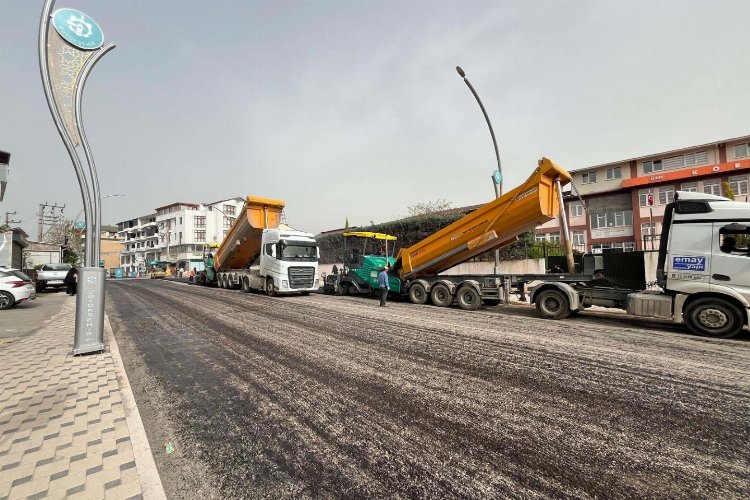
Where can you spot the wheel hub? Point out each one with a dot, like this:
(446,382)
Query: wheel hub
(552,305)
(713,318)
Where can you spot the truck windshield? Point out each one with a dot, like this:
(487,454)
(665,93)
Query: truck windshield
(298,251)
(56,267)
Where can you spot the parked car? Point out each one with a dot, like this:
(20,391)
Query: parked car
(15,287)
(51,276)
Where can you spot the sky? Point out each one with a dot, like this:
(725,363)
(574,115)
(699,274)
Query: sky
(353,109)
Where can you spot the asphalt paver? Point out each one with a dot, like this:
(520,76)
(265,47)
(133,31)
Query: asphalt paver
(318,396)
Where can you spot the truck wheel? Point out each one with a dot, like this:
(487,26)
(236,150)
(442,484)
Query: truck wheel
(246,284)
(6,300)
(270,288)
(553,304)
(468,298)
(441,295)
(713,317)
(417,294)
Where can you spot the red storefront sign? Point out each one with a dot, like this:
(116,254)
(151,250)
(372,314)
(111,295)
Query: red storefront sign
(687,173)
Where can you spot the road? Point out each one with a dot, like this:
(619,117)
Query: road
(335,397)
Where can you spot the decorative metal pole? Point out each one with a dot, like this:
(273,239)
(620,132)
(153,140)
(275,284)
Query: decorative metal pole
(497,175)
(68,50)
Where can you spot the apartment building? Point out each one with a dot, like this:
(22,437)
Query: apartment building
(620,205)
(184,229)
(175,234)
(139,239)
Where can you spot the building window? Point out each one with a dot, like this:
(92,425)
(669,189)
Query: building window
(200,236)
(229,209)
(540,237)
(741,150)
(612,219)
(576,209)
(666,195)
(648,229)
(180,220)
(712,187)
(690,187)
(643,197)
(698,158)
(589,178)
(200,221)
(625,246)
(228,221)
(738,184)
(614,173)
(554,237)
(652,166)
(579,238)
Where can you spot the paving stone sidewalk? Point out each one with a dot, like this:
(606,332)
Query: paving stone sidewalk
(68,424)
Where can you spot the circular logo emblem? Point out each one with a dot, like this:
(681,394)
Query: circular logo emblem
(78,29)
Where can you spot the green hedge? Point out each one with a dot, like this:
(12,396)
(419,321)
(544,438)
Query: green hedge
(414,229)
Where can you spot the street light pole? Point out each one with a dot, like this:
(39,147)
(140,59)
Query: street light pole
(101,198)
(497,177)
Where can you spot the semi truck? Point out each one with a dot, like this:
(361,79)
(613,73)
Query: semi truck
(703,267)
(703,271)
(260,253)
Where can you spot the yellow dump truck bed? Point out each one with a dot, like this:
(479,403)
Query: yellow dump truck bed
(242,244)
(494,225)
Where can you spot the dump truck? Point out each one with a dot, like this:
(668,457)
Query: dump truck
(703,271)
(496,224)
(260,253)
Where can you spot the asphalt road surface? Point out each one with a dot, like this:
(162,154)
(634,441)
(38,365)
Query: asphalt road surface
(323,396)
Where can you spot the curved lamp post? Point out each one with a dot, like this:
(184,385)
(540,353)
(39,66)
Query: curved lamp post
(497,176)
(70,45)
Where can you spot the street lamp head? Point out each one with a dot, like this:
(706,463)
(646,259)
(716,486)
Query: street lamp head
(460,72)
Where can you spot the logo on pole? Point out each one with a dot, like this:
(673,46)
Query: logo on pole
(78,29)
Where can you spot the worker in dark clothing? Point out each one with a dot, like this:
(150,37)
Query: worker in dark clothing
(70,281)
(384,285)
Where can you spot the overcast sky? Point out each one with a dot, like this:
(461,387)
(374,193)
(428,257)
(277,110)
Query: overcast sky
(354,109)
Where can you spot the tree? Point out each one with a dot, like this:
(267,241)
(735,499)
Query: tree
(429,207)
(728,191)
(67,236)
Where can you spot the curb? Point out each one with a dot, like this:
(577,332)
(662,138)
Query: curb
(148,475)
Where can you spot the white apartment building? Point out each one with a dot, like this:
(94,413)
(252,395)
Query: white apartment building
(139,243)
(184,229)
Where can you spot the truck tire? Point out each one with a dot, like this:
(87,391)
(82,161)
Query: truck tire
(713,317)
(246,284)
(417,294)
(6,300)
(270,287)
(468,298)
(441,295)
(553,304)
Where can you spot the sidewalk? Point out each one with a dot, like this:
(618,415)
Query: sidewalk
(69,426)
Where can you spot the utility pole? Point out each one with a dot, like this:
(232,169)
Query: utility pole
(8,220)
(48,214)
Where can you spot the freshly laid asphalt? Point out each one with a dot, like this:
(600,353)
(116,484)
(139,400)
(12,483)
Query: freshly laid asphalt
(323,396)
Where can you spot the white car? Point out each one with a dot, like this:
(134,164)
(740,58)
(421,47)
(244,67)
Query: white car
(15,287)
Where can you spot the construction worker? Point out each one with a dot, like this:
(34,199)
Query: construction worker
(384,285)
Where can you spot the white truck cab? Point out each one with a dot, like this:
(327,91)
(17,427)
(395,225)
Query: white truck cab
(288,262)
(703,272)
